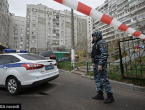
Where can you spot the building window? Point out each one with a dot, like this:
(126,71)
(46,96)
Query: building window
(34,13)
(28,9)
(16,21)
(33,33)
(34,25)
(48,23)
(34,10)
(15,38)
(34,17)
(33,37)
(15,33)
(49,13)
(15,29)
(16,25)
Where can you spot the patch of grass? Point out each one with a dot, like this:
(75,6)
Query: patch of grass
(137,82)
(65,66)
(90,73)
(80,64)
(68,66)
(135,68)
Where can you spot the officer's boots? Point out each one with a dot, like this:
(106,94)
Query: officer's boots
(109,99)
(99,96)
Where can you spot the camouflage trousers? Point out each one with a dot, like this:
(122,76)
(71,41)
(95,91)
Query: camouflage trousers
(101,79)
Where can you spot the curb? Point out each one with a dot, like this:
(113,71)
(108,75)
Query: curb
(125,85)
(64,71)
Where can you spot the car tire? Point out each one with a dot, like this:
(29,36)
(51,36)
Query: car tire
(13,85)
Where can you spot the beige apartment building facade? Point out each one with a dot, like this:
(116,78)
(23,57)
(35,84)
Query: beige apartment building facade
(129,12)
(49,29)
(45,28)
(4,24)
(89,32)
(17,32)
(67,36)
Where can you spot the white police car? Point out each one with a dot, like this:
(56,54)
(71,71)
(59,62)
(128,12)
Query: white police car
(20,70)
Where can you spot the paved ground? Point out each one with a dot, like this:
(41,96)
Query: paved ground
(72,92)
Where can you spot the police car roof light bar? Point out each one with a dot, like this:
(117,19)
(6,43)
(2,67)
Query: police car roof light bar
(14,51)
(23,51)
(9,51)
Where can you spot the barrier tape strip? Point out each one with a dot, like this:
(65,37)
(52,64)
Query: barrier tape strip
(78,6)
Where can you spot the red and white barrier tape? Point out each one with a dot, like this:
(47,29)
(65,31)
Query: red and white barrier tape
(76,5)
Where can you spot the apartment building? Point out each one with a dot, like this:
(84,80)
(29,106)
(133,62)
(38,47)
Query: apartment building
(45,28)
(49,29)
(37,19)
(67,36)
(82,28)
(4,24)
(89,32)
(17,32)
(129,12)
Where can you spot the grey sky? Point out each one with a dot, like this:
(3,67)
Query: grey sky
(18,7)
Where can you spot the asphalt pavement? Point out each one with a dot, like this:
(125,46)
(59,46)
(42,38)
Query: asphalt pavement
(73,92)
(82,72)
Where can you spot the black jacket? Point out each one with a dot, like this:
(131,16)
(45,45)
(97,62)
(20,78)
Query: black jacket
(99,53)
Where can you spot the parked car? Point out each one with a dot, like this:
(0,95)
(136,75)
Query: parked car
(21,70)
(64,59)
(48,54)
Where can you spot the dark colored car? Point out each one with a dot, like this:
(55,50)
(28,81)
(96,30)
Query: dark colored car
(48,54)
(64,59)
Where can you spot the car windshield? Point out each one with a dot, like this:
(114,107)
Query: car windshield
(32,57)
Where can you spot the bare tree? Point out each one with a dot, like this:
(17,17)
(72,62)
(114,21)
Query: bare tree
(140,25)
(142,29)
(82,47)
(62,48)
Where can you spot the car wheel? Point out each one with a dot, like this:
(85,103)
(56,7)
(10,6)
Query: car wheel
(13,85)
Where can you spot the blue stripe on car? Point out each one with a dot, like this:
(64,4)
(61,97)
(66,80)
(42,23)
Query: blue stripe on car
(12,65)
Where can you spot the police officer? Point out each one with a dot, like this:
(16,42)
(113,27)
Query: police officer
(99,57)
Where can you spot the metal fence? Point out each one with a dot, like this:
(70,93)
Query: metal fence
(132,58)
(113,67)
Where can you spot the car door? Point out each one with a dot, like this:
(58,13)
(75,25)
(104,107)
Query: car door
(5,64)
